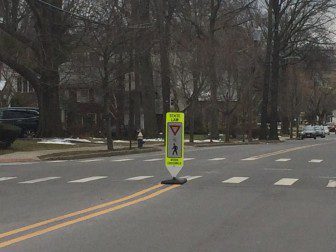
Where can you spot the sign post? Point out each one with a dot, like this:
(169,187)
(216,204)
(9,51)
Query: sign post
(174,147)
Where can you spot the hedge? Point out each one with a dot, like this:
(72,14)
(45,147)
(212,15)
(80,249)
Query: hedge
(8,134)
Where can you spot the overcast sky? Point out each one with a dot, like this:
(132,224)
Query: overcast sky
(2,84)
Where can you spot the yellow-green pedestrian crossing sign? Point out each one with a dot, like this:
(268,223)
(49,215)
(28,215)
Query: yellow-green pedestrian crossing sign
(174,142)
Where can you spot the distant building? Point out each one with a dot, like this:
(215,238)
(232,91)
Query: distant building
(15,90)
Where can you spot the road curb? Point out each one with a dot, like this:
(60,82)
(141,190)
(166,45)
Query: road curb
(78,155)
(18,160)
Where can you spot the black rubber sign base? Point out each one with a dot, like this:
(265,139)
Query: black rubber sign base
(174,181)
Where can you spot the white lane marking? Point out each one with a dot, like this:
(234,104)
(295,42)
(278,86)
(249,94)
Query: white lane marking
(90,160)
(286,181)
(153,159)
(187,159)
(249,159)
(84,180)
(57,161)
(39,180)
(191,177)
(275,169)
(332,184)
(235,180)
(139,178)
(283,160)
(216,159)
(316,161)
(327,177)
(7,178)
(122,160)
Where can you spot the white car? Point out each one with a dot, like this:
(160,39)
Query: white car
(326,130)
(308,131)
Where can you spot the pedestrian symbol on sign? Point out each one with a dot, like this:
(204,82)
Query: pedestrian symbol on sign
(175,148)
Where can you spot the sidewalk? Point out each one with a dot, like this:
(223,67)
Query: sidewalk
(34,156)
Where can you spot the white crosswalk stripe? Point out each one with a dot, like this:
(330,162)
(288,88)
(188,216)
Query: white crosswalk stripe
(188,159)
(7,178)
(286,181)
(84,180)
(283,160)
(316,161)
(216,159)
(153,159)
(191,177)
(122,160)
(249,159)
(39,180)
(331,184)
(90,160)
(235,180)
(139,178)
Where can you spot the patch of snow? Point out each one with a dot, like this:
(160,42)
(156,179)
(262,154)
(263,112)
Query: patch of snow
(203,141)
(65,141)
(120,141)
(77,140)
(153,140)
(99,142)
(55,141)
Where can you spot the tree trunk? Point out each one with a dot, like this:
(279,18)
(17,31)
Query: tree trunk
(285,125)
(275,74)
(214,134)
(131,130)
(50,114)
(120,97)
(214,122)
(192,121)
(267,75)
(148,94)
(164,29)
(249,131)
(107,105)
(227,128)
(137,95)
(146,76)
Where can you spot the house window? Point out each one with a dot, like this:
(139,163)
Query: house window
(19,86)
(30,88)
(25,87)
(66,94)
(83,95)
(91,95)
(89,120)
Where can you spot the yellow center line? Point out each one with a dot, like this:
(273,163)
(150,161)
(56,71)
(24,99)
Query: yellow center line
(42,223)
(84,218)
(283,151)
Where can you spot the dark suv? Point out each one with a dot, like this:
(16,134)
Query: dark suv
(24,117)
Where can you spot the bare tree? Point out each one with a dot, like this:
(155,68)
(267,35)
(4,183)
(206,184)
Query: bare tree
(291,24)
(39,37)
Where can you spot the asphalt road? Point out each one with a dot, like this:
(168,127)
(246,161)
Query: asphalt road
(270,197)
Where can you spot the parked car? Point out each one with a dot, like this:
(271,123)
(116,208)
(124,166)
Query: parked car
(331,127)
(26,118)
(308,132)
(326,130)
(319,131)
